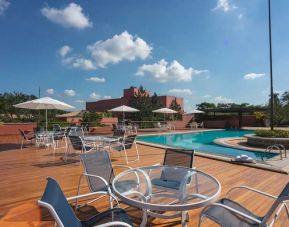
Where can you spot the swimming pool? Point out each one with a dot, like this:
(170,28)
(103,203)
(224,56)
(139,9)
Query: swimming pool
(203,141)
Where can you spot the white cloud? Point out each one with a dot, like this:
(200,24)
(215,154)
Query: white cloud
(119,48)
(181,91)
(122,47)
(50,91)
(63,51)
(221,99)
(82,63)
(70,16)
(207,96)
(95,96)
(163,72)
(225,5)
(96,79)
(79,101)
(107,97)
(69,93)
(4,4)
(253,76)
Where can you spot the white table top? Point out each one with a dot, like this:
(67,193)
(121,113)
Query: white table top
(100,139)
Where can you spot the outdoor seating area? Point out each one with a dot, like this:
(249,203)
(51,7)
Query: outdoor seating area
(144,113)
(117,190)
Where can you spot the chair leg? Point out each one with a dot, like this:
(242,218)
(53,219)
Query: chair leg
(137,152)
(125,156)
(201,219)
(78,189)
(22,144)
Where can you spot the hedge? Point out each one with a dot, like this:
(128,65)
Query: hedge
(278,133)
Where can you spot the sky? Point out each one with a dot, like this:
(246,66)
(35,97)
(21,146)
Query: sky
(201,50)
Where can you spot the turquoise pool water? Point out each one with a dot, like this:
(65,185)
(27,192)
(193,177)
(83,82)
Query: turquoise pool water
(203,141)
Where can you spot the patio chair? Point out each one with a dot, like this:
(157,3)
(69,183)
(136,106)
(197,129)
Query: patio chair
(193,125)
(227,212)
(55,201)
(79,144)
(124,145)
(26,136)
(118,133)
(99,174)
(76,131)
(201,124)
(56,128)
(172,179)
(174,157)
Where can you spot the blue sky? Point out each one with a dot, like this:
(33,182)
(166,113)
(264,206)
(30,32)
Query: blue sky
(202,50)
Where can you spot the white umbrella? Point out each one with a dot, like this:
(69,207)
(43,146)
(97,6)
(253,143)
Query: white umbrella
(44,103)
(194,112)
(165,111)
(123,109)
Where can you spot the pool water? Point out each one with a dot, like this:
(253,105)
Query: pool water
(203,141)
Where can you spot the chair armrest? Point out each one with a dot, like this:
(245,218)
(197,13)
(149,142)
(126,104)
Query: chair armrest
(184,183)
(251,189)
(99,177)
(86,195)
(122,166)
(114,223)
(234,211)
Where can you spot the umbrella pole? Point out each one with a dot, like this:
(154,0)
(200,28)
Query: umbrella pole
(123,117)
(46,118)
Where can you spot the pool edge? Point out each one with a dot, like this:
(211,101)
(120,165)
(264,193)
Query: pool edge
(223,158)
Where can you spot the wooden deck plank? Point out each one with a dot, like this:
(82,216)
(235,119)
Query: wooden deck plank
(23,178)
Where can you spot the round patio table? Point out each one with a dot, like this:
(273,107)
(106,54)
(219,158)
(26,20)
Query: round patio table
(157,189)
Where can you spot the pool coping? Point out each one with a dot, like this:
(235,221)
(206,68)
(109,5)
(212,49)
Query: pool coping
(223,142)
(204,154)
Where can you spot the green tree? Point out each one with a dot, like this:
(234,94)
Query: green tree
(177,107)
(9,113)
(206,105)
(278,109)
(92,118)
(142,102)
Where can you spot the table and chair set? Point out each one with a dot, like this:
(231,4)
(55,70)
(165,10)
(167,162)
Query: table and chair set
(77,139)
(167,191)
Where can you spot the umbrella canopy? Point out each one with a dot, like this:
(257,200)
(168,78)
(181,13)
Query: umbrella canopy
(123,109)
(165,111)
(44,103)
(194,112)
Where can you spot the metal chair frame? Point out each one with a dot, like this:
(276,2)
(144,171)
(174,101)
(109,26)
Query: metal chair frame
(104,181)
(122,144)
(59,222)
(279,202)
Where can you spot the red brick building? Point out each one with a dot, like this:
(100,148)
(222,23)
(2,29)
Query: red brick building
(104,105)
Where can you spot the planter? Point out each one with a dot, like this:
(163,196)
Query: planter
(264,142)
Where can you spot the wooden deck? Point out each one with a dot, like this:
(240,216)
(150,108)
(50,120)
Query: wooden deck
(23,178)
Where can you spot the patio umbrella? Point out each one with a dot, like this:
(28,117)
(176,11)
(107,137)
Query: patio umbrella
(123,109)
(194,112)
(165,111)
(44,103)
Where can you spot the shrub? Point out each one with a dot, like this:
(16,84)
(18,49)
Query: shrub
(278,133)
